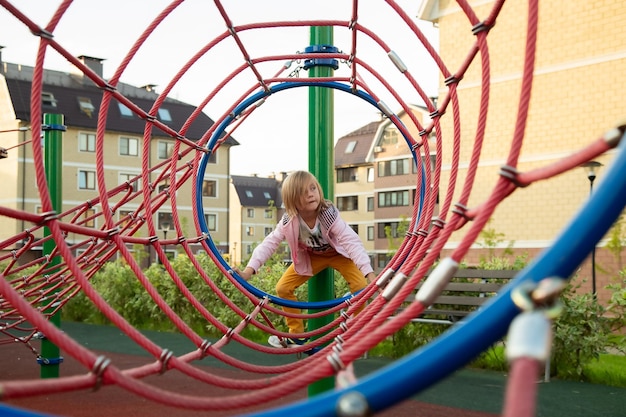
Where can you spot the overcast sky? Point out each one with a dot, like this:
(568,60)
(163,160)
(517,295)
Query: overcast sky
(275,137)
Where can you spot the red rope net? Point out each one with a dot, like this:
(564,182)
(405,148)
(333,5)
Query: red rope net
(32,291)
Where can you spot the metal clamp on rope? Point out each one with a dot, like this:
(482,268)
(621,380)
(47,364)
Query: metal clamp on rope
(511,173)
(393,56)
(336,362)
(99,367)
(394,286)
(482,27)
(382,106)
(438,222)
(384,278)
(613,136)
(461,210)
(165,357)
(204,347)
(436,281)
(530,333)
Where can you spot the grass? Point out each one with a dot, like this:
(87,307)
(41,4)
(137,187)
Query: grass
(607,370)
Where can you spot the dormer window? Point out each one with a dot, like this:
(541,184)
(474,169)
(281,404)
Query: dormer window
(47,99)
(124,111)
(164,115)
(85,106)
(350,147)
(390,137)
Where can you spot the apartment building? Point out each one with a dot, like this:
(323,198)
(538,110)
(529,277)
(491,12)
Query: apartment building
(376,183)
(78,100)
(255,208)
(354,182)
(580,61)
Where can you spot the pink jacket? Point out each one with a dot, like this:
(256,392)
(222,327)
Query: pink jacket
(334,230)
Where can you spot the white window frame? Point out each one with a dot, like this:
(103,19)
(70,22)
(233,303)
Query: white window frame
(208,223)
(88,139)
(90,177)
(129,140)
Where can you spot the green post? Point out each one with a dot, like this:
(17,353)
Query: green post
(53,159)
(321,164)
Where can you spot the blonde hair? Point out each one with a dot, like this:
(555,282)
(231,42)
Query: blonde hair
(294,188)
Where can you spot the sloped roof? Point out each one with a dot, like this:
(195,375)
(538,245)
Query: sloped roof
(254,191)
(66,91)
(357,155)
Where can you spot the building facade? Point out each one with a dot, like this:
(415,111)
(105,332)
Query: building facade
(579,65)
(376,184)
(124,152)
(255,208)
(354,183)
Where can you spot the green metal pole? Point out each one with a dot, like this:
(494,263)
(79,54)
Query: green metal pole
(53,159)
(321,164)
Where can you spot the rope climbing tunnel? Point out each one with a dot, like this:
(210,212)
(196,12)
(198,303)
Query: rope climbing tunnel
(33,291)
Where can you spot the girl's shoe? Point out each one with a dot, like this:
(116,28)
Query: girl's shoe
(286,342)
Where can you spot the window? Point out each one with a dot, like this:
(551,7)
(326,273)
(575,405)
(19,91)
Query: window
(267,195)
(354,227)
(47,99)
(251,213)
(346,174)
(370,203)
(86,180)
(164,221)
(433,162)
(89,218)
(370,232)
(348,203)
(124,111)
(213,157)
(394,167)
(350,147)
(390,137)
(164,115)
(370,174)
(382,260)
(132,179)
(84,103)
(129,146)
(389,227)
(209,188)
(267,231)
(393,198)
(211,222)
(249,231)
(86,142)
(249,194)
(248,249)
(269,213)
(165,149)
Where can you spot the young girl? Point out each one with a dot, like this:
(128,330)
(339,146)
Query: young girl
(318,238)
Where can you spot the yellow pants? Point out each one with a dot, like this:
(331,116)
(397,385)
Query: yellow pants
(287,284)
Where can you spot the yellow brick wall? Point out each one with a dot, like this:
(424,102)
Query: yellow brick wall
(580,62)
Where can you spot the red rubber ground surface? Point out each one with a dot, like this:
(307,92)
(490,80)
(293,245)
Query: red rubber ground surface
(16,362)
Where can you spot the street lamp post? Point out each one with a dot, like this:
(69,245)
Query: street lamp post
(166,227)
(591,168)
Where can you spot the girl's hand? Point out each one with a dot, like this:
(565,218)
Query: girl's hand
(245,274)
(370,277)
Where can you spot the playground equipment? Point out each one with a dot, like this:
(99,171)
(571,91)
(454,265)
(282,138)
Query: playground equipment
(343,339)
